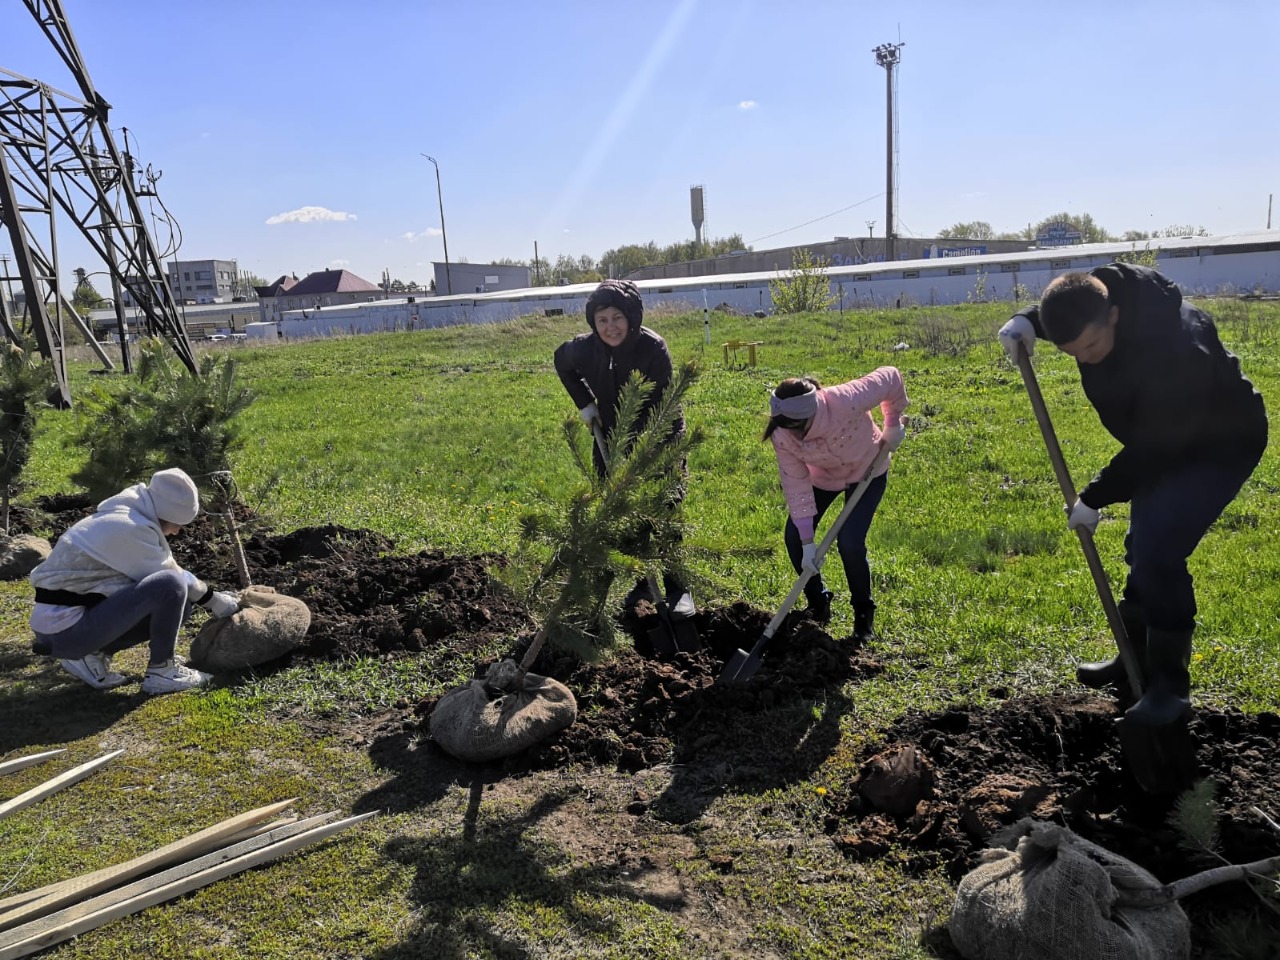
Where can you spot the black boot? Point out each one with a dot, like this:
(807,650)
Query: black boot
(1111,673)
(819,598)
(864,630)
(1166,695)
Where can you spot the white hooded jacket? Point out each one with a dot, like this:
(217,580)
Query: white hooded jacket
(116,547)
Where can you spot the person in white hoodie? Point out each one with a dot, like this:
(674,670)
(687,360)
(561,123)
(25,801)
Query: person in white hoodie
(112,583)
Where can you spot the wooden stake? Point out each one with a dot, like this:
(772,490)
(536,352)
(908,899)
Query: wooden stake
(74,775)
(73,921)
(260,829)
(13,766)
(17,934)
(58,895)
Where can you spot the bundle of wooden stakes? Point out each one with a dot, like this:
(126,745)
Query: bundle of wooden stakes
(38,919)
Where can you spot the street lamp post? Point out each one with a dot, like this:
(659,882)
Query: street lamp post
(448,279)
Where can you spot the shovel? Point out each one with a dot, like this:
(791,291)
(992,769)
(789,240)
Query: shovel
(670,636)
(1162,759)
(742,666)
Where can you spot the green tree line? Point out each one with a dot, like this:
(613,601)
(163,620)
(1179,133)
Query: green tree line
(1090,231)
(623,260)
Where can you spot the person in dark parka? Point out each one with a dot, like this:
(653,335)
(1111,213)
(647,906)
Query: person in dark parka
(594,367)
(1192,429)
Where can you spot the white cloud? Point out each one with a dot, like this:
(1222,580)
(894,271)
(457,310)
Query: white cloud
(309,215)
(413,237)
(339,264)
(746,104)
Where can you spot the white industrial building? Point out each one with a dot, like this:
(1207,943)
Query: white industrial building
(1224,265)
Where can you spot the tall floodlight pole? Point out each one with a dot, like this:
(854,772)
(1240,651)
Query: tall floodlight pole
(448,279)
(887,56)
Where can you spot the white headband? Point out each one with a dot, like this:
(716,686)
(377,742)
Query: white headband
(794,408)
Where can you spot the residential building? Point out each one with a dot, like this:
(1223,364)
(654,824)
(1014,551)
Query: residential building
(269,298)
(324,288)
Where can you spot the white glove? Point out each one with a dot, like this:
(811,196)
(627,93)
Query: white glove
(1018,331)
(589,414)
(221,604)
(1082,515)
(196,588)
(808,559)
(892,437)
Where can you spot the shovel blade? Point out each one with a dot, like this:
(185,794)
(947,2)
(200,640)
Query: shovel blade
(1162,759)
(686,635)
(663,641)
(742,666)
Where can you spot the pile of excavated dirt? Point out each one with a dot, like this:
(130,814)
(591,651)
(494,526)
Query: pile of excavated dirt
(944,782)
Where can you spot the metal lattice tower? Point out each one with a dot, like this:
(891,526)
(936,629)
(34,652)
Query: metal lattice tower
(57,154)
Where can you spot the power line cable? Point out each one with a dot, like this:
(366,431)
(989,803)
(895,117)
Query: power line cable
(825,216)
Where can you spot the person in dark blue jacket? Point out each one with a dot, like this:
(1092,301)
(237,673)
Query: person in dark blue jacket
(1192,429)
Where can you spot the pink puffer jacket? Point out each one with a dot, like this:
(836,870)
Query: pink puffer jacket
(841,441)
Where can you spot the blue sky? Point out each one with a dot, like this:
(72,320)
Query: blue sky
(290,133)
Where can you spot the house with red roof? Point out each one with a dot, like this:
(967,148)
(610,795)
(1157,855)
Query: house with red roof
(324,288)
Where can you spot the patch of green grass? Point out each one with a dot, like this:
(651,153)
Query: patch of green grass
(443,438)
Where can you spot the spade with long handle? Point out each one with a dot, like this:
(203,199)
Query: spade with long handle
(742,666)
(1162,759)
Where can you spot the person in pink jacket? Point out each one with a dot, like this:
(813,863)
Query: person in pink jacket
(825,439)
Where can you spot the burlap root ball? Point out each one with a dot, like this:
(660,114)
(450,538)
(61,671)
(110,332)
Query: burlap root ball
(1043,892)
(267,626)
(471,725)
(21,554)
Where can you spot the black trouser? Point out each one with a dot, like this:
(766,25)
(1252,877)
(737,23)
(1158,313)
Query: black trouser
(1167,520)
(851,541)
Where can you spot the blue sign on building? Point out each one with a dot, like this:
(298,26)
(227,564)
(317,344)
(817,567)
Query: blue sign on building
(935,252)
(1060,233)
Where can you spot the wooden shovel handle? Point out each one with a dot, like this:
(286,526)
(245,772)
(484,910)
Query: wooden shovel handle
(1127,656)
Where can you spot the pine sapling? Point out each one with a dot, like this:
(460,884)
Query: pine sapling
(1195,817)
(24,383)
(613,528)
(165,417)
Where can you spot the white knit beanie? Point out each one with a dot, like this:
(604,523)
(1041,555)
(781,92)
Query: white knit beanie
(175,496)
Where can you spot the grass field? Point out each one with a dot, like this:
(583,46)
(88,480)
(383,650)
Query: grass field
(442,439)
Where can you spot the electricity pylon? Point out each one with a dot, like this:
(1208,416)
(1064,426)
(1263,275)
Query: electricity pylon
(57,153)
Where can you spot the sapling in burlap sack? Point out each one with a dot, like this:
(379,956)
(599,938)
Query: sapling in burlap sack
(577,559)
(1042,891)
(268,624)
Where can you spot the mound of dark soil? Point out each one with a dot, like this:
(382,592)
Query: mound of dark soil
(636,711)
(946,781)
(364,599)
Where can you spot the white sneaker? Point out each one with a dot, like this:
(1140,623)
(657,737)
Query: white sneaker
(95,670)
(171,677)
